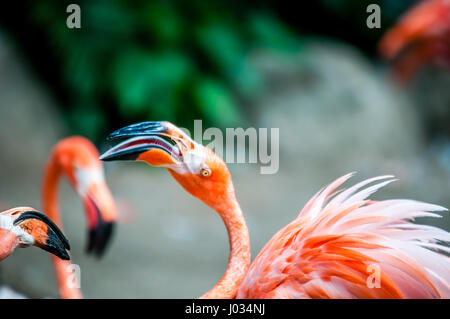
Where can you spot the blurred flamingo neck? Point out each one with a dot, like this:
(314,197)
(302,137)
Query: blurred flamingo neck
(239,260)
(50,200)
(50,205)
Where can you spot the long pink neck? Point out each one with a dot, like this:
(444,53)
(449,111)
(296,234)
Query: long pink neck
(239,260)
(67,289)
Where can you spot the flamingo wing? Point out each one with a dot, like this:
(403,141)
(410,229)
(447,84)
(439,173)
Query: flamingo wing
(343,245)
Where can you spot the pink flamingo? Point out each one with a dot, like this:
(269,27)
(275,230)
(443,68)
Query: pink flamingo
(76,158)
(24,227)
(330,248)
(421,36)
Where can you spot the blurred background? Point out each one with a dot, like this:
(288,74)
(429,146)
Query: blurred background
(312,71)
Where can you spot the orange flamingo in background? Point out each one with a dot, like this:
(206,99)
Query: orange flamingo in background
(77,159)
(421,36)
(24,227)
(326,252)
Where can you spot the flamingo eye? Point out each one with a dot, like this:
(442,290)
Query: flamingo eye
(205,172)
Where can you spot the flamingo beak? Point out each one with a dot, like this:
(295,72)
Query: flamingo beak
(101,216)
(157,143)
(45,233)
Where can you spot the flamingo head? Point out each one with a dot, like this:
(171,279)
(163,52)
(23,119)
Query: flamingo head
(78,159)
(195,167)
(33,228)
(421,36)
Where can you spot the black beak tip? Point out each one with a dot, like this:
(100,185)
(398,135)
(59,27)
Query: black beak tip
(130,155)
(106,157)
(63,255)
(99,238)
(56,246)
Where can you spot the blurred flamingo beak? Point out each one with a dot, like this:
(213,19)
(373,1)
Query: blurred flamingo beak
(45,233)
(101,217)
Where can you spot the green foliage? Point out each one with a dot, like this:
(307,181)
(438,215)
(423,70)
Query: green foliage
(214,101)
(155,60)
(162,60)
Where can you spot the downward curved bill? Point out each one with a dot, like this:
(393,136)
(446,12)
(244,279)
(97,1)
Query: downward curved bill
(46,235)
(157,143)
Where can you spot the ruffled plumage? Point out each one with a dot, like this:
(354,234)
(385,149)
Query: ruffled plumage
(341,239)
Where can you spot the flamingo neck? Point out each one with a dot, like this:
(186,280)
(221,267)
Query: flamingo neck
(50,202)
(239,260)
(8,242)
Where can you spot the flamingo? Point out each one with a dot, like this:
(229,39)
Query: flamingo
(422,35)
(24,227)
(327,251)
(77,159)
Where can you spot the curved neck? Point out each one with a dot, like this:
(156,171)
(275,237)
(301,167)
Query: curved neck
(67,290)
(239,260)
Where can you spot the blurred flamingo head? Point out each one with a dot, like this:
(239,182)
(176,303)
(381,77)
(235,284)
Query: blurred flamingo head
(421,36)
(78,160)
